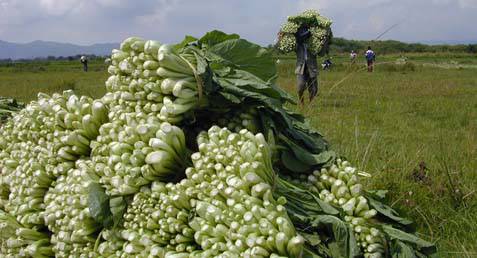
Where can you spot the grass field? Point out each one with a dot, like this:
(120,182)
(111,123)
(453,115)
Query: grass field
(413,126)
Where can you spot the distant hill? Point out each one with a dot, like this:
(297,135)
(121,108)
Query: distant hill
(40,48)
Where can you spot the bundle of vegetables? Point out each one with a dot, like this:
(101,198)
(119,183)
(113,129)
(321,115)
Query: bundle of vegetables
(7,107)
(319,26)
(115,177)
(136,149)
(151,77)
(42,142)
(340,185)
(20,241)
(156,222)
(67,215)
(233,177)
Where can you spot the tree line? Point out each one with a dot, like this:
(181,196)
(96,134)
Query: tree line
(341,45)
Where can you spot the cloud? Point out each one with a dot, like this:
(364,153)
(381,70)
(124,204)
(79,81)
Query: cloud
(468,3)
(159,14)
(91,21)
(60,7)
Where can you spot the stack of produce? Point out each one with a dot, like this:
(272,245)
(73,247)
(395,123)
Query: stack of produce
(236,213)
(67,215)
(148,77)
(340,185)
(157,221)
(21,241)
(7,107)
(135,150)
(319,26)
(39,144)
(116,177)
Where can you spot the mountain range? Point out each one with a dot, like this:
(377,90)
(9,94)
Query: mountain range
(40,48)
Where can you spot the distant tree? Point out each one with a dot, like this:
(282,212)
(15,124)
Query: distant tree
(472,48)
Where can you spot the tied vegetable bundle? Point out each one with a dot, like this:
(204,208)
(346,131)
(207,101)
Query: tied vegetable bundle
(190,153)
(319,26)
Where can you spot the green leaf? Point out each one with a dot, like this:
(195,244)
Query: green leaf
(343,243)
(301,201)
(186,41)
(292,163)
(243,55)
(214,37)
(305,156)
(387,212)
(118,206)
(312,239)
(399,249)
(421,244)
(98,203)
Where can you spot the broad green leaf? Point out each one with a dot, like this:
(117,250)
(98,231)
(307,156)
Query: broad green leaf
(305,156)
(399,249)
(292,163)
(98,203)
(343,243)
(241,54)
(214,37)
(301,201)
(118,207)
(421,244)
(186,41)
(312,239)
(387,212)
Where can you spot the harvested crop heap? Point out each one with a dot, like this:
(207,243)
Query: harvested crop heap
(319,26)
(191,153)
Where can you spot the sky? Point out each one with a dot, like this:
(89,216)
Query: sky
(103,21)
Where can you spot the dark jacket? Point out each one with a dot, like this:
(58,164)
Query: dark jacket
(304,57)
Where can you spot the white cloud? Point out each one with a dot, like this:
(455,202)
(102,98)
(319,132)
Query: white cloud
(112,3)
(91,21)
(468,3)
(60,7)
(159,14)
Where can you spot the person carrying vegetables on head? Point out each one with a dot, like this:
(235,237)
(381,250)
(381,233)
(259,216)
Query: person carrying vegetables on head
(84,61)
(306,65)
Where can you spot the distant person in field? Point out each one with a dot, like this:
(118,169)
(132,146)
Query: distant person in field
(327,64)
(306,66)
(370,58)
(84,61)
(352,57)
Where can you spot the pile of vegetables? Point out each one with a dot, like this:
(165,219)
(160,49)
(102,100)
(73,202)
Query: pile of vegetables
(319,26)
(190,153)
(7,107)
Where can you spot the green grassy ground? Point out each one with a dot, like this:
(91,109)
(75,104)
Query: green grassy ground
(387,123)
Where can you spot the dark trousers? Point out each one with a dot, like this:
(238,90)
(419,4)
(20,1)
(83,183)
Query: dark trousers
(370,65)
(305,81)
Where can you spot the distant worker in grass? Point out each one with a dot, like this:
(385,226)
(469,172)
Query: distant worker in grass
(306,66)
(370,58)
(352,57)
(84,61)
(326,65)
